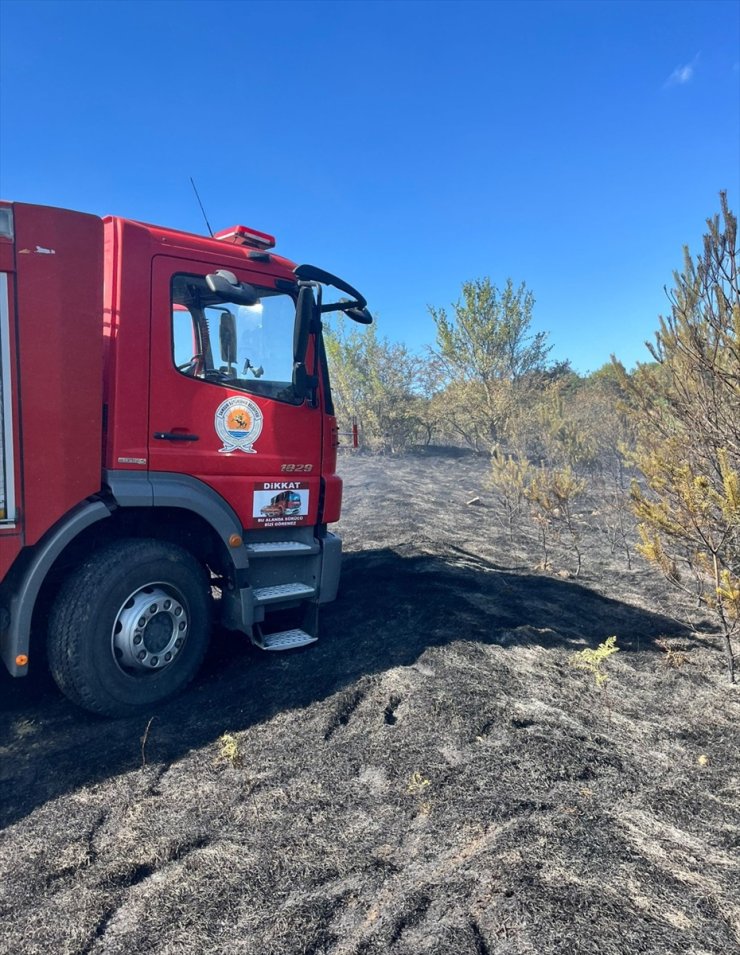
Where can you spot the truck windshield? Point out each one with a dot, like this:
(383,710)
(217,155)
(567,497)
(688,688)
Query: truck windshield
(245,347)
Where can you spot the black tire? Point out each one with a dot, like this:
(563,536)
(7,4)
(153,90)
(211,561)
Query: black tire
(99,628)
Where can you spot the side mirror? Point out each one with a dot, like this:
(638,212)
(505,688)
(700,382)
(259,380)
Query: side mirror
(361,315)
(226,285)
(304,317)
(227,336)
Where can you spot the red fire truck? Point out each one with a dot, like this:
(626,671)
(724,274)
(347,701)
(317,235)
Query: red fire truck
(287,502)
(152,384)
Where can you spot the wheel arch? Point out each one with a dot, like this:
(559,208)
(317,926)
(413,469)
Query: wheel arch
(165,490)
(188,513)
(32,573)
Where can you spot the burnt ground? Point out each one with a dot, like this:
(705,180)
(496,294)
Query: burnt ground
(434,776)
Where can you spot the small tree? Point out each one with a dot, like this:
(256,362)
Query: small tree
(602,413)
(593,661)
(552,494)
(509,480)
(488,351)
(687,413)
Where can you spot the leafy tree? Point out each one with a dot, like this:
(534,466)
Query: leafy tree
(489,353)
(564,437)
(478,416)
(429,385)
(602,411)
(380,384)
(687,412)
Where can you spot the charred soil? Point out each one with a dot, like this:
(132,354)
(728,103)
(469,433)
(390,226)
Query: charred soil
(434,776)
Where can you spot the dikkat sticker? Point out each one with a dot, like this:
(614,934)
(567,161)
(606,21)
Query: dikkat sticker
(280,503)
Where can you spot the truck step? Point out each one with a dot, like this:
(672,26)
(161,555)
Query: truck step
(279,548)
(284,640)
(279,592)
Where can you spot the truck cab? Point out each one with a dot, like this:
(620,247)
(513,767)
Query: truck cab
(168,436)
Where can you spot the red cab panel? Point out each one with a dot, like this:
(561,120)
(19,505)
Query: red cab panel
(237,429)
(59,301)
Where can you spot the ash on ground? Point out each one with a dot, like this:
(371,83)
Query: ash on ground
(434,776)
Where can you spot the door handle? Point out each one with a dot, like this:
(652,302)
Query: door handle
(175,436)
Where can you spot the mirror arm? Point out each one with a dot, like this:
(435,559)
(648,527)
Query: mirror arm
(312,273)
(339,306)
(352,310)
(356,309)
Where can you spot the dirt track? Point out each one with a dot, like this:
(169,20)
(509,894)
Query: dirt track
(432,777)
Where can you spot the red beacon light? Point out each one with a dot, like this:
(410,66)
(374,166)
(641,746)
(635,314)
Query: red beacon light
(241,235)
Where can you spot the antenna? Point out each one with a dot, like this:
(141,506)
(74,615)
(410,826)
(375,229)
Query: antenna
(208,224)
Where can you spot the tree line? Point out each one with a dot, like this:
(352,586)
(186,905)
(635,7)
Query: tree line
(661,443)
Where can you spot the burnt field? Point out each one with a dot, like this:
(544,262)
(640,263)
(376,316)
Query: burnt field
(433,776)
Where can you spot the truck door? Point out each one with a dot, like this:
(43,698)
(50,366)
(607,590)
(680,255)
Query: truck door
(222,405)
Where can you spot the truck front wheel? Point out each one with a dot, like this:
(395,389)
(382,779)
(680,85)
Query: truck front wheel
(130,627)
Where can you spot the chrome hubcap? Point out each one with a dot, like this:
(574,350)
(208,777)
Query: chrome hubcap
(150,629)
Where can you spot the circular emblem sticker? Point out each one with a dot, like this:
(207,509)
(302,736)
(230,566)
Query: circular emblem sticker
(238,423)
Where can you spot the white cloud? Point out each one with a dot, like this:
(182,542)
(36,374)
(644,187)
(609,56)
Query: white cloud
(682,74)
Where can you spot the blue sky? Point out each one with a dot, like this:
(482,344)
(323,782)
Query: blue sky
(406,146)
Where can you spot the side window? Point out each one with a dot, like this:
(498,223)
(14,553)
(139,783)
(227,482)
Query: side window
(184,338)
(245,347)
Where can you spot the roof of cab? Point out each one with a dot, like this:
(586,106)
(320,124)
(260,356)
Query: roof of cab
(191,242)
